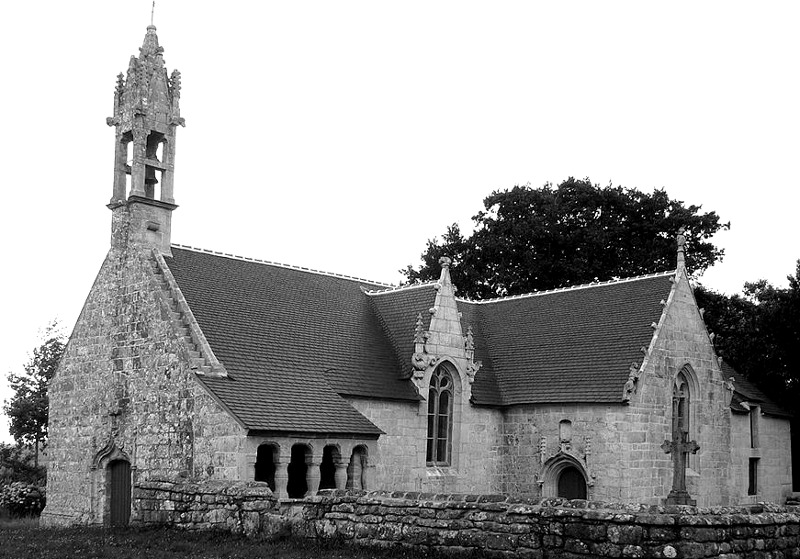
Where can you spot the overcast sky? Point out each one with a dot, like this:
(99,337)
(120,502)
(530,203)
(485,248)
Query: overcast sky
(342,135)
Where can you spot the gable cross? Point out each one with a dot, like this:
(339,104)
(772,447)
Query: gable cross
(679,447)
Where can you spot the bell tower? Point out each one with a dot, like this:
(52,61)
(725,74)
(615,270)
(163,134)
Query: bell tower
(146,116)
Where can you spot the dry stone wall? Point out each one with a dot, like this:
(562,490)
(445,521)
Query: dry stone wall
(490,525)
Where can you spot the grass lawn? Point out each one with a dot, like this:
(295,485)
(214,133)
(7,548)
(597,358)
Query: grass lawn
(23,539)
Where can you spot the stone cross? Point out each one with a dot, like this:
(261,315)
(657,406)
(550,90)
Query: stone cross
(680,448)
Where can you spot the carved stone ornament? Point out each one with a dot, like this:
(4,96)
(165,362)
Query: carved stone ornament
(421,361)
(630,385)
(542,449)
(472,369)
(469,341)
(419,331)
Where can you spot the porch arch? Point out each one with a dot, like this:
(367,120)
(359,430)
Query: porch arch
(564,477)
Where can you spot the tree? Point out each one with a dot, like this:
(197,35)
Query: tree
(19,464)
(529,239)
(758,332)
(27,408)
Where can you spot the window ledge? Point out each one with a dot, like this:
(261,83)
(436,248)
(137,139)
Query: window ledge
(441,471)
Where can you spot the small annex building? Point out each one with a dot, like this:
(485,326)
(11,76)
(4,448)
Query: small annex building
(187,363)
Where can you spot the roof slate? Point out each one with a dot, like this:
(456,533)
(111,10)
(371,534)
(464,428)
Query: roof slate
(573,345)
(295,341)
(746,391)
(291,340)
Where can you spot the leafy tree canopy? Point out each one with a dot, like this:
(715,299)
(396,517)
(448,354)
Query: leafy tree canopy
(758,333)
(27,408)
(19,464)
(529,239)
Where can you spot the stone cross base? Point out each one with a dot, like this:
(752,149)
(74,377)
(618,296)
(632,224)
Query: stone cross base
(679,498)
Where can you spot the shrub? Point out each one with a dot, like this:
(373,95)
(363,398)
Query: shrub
(22,499)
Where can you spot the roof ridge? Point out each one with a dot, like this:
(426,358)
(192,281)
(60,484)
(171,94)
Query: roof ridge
(563,289)
(395,288)
(281,265)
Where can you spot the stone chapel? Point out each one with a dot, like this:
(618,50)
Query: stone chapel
(196,365)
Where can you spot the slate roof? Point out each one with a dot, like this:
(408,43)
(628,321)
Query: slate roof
(573,345)
(569,345)
(291,340)
(746,391)
(294,341)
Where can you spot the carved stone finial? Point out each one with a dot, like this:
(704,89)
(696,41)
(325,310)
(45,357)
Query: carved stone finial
(419,331)
(681,240)
(175,83)
(630,385)
(445,262)
(729,383)
(469,340)
(543,449)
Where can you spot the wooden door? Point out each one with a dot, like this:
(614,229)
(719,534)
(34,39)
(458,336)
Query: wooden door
(571,484)
(120,488)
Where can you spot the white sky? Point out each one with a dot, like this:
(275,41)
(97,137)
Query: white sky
(342,135)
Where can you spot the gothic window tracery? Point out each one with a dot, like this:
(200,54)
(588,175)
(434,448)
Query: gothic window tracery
(440,418)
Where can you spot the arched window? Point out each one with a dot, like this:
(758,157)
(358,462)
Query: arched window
(440,418)
(680,404)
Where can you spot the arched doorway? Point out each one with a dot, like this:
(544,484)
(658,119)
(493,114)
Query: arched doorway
(119,489)
(571,484)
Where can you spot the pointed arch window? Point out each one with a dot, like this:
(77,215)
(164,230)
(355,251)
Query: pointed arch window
(440,418)
(680,404)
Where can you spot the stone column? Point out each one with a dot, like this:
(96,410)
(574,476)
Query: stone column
(341,474)
(282,479)
(167,174)
(137,166)
(312,475)
(120,176)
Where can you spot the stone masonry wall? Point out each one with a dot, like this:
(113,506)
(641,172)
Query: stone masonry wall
(475,457)
(125,390)
(533,448)
(681,339)
(774,456)
(491,525)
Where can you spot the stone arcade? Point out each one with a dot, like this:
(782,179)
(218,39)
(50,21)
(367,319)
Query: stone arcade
(194,365)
